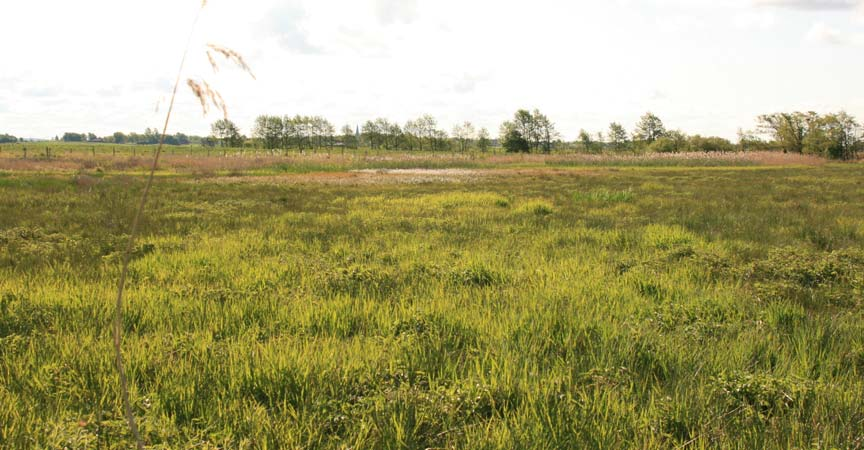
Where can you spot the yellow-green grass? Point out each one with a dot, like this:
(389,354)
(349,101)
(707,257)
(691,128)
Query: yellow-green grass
(648,308)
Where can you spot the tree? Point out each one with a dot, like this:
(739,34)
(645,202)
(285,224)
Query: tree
(413,135)
(181,139)
(649,129)
(545,132)
(269,131)
(710,144)
(749,141)
(483,140)
(390,133)
(349,137)
(7,138)
(836,136)
(673,141)
(371,133)
(464,134)
(428,128)
(513,141)
(788,129)
(617,136)
(119,138)
(73,137)
(586,141)
(151,136)
(226,132)
(535,128)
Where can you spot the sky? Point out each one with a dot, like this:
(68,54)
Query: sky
(706,67)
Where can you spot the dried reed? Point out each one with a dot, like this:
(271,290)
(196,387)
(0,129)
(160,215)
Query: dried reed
(202,91)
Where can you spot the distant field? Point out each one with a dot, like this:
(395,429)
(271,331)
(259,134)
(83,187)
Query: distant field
(64,157)
(506,302)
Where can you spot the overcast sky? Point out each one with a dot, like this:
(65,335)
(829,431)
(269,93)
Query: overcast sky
(703,66)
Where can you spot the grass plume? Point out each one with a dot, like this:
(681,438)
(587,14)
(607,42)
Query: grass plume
(200,90)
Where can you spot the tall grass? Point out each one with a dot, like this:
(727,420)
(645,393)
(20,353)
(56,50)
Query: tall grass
(205,94)
(714,308)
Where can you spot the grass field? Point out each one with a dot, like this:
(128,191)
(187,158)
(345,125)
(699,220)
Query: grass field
(574,307)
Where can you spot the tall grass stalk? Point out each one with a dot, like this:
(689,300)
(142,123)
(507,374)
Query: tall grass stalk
(130,246)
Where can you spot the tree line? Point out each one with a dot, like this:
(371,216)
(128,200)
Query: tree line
(314,132)
(834,135)
(150,136)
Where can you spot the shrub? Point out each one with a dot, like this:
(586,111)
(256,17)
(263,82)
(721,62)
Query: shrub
(763,395)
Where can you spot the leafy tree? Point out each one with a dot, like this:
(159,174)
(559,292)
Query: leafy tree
(671,142)
(464,134)
(617,136)
(413,135)
(226,132)
(546,133)
(269,131)
(7,138)
(483,140)
(835,136)
(750,141)
(710,144)
(181,139)
(119,138)
(372,133)
(586,141)
(349,137)
(73,137)
(788,129)
(649,129)
(535,128)
(151,136)
(513,141)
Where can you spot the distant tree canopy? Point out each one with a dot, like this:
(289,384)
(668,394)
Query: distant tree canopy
(649,129)
(226,132)
(275,132)
(618,136)
(514,142)
(73,137)
(836,135)
(532,127)
(483,140)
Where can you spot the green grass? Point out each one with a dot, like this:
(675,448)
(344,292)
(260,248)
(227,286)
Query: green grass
(641,308)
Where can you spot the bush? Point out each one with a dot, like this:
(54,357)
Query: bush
(763,395)
(710,144)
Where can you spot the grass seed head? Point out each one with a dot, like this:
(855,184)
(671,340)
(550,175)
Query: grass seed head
(230,55)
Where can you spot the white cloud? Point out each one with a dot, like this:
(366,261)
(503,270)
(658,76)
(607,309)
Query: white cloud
(812,4)
(396,11)
(824,34)
(758,20)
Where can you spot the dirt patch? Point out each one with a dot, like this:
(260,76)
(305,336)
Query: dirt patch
(360,177)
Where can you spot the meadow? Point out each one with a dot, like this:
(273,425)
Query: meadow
(521,303)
